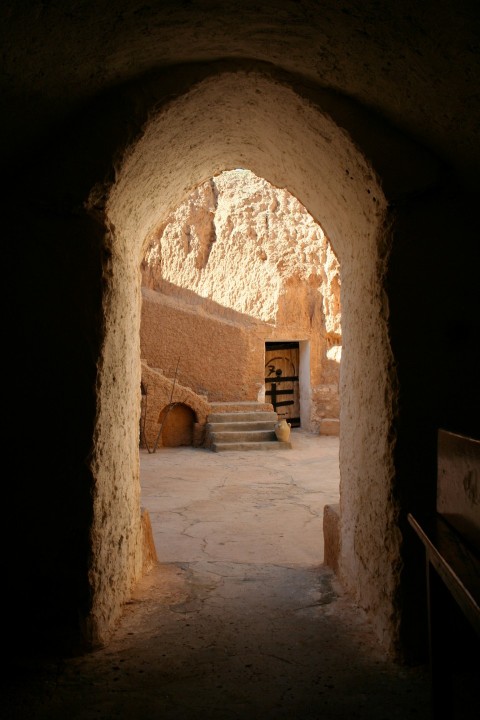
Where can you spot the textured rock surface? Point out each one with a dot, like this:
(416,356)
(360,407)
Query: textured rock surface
(251,247)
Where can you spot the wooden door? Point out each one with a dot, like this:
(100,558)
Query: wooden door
(177,421)
(282,380)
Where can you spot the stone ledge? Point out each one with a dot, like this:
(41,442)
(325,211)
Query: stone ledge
(240,406)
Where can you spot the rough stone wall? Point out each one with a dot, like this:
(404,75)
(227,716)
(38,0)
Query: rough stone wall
(117,536)
(245,245)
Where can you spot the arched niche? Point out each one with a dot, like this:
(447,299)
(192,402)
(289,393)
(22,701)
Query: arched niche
(177,421)
(246,119)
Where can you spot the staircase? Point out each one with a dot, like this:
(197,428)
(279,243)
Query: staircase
(249,426)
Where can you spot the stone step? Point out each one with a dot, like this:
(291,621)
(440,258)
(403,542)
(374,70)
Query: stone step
(226,417)
(241,406)
(221,436)
(245,429)
(240,426)
(269,445)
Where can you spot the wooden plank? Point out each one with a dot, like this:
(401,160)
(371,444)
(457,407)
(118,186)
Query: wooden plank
(287,345)
(279,379)
(458,484)
(278,392)
(452,550)
(457,566)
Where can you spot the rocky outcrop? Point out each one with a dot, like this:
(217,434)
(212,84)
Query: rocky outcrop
(251,247)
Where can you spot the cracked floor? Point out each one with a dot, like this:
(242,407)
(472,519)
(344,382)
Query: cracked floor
(239,619)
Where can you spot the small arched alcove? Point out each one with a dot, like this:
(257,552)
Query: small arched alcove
(177,422)
(293,144)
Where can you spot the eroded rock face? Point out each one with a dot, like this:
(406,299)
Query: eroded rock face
(247,245)
(242,245)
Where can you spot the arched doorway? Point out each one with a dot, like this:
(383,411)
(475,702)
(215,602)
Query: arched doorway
(300,148)
(282,361)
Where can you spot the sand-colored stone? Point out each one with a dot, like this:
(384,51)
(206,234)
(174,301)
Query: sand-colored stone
(251,247)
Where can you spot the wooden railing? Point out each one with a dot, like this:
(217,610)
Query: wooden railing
(451,539)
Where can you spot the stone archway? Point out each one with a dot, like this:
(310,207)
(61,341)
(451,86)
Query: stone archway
(299,147)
